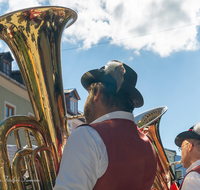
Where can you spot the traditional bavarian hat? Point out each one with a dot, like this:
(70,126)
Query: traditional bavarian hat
(117,77)
(192,133)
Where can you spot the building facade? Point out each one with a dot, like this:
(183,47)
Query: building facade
(14,99)
(171,157)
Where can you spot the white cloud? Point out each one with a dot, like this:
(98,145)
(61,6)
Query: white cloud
(161,26)
(137,53)
(151,25)
(21,4)
(130,58)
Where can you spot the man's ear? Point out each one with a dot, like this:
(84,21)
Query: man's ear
(190,147)
(97,96)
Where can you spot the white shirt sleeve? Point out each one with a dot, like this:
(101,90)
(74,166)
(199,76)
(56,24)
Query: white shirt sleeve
(191,181)
(84,160)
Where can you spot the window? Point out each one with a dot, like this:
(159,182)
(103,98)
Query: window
(73,105)
(9,110)
(6,68)
(179,174)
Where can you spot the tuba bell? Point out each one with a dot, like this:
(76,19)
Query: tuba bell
(34,37)
(148,122)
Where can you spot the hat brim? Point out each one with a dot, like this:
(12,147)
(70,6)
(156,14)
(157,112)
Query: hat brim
(137,98)
(185,135)
(98,75)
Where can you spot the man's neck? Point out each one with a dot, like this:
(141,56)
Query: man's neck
(115,115)
(101,109)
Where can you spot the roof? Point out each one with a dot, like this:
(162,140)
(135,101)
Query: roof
(69,91)
(170,150)
(7,55)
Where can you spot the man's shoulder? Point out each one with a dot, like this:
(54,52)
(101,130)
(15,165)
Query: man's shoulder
(85,131)
(193,176)
(83,128)
(191,181)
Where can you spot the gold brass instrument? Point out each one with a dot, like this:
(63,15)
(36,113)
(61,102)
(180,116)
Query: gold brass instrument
(34,37)
(148,122)
(175,163)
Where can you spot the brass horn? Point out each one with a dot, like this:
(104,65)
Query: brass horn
(148,122)
(34,37)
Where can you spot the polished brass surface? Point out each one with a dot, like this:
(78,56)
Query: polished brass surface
(48,168)
(8,178)
(34,37)
(148,122)
(175,163)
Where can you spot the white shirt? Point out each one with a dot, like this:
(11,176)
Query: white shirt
(192,180)
(84,158)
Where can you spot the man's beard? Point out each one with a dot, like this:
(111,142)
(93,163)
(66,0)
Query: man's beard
(89,110)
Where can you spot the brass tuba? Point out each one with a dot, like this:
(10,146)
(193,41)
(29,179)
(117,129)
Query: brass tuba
(148,122)
(34,37)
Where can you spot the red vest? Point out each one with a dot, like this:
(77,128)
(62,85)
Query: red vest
(197,169)
(131,157)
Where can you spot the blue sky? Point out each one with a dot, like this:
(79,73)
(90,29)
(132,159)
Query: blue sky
(171,81)
(159,39)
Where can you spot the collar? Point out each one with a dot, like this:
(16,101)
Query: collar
(194,165)
(115,115)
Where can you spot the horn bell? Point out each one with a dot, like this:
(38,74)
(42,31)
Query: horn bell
(148,122)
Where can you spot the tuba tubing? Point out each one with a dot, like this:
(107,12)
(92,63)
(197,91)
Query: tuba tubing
(175,163)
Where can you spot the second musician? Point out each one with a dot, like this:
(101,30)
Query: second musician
(189,143)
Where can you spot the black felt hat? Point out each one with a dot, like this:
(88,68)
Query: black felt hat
(192,133)
(111,80)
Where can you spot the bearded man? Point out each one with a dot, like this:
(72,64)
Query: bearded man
(109,152)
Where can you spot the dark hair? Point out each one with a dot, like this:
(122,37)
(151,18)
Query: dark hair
(111,99)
